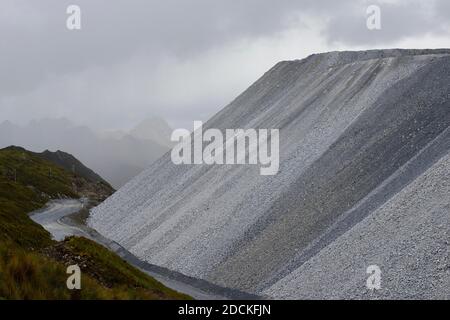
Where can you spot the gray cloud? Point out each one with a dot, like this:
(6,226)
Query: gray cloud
(35,42)
(181,59)
(400,19)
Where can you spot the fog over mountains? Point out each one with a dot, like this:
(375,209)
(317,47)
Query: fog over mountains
(116,156)
(363,180)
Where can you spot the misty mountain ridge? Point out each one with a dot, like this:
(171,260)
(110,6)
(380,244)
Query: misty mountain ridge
(71,164)
(116,157)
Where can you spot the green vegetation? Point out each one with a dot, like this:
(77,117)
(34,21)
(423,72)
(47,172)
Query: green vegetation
(29,275)
(71,164)
(113,272)
(27,183)
(32,266)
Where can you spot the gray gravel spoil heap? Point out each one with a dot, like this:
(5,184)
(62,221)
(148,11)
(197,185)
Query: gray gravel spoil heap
(364,180)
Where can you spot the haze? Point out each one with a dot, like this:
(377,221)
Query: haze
(180,60)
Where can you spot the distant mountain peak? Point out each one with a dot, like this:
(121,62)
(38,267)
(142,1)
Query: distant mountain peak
(153,128)
(6,123)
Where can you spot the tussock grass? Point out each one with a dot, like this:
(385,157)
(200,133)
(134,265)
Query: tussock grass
(30,276)
(116,272)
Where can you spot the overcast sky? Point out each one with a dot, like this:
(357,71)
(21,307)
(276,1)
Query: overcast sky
(183,60)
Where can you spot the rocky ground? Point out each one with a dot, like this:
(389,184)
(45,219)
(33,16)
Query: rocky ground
(357,129)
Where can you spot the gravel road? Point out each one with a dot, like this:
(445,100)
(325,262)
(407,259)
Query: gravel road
(55,218)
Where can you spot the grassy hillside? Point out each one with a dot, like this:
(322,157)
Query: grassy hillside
(29,275)
(32,266)
(27,182)
(26,274)
(110,270)
(71,164)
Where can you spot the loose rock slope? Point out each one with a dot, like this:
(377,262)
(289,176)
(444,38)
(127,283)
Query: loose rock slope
(364,147)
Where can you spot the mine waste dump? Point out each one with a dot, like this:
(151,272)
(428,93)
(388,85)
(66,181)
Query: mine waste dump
(364,179)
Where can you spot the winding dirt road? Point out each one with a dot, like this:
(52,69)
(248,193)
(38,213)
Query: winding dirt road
(55,218)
